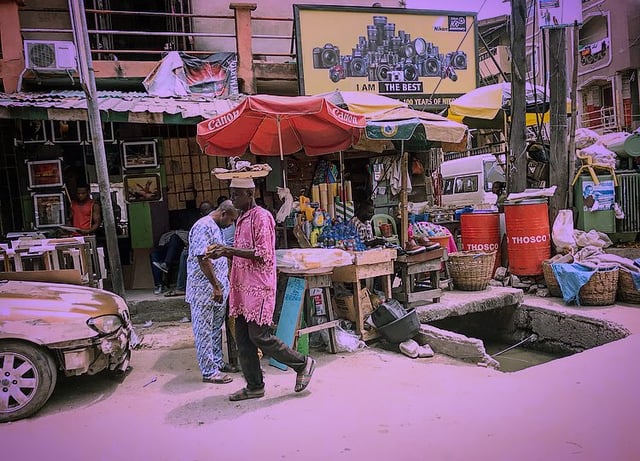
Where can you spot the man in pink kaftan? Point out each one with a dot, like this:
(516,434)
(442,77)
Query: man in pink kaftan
(252,294)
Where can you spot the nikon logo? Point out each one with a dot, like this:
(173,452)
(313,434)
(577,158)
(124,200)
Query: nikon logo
(223,120)
(346,117)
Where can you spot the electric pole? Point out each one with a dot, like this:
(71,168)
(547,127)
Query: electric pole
(517,167)
(87,78)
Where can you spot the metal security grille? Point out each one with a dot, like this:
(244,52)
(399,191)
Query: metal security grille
(628,194)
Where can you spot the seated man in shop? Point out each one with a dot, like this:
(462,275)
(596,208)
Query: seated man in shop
(362,222)
(181,283)
(85,212)
(173,246)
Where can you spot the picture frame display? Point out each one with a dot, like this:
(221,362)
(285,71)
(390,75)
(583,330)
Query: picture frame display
(33,131)
(142,188)
(49,210)
(45,173)
(108,134)
(139,154)
(65,131)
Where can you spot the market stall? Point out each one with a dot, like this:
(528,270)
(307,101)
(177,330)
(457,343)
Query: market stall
(280,126)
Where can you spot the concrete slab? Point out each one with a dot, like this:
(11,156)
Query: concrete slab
(456,302)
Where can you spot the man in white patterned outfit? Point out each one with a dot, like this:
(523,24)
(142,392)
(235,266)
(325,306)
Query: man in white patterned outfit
(207,291)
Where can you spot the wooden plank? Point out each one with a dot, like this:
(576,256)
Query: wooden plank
(193,146)
(424,295)
(427,266)
(183,144)
(426,256)
(71,276)
(373,256)
(321,326)
(290,314)
(354,273)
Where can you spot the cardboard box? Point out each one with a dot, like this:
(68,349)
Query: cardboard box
(345,308)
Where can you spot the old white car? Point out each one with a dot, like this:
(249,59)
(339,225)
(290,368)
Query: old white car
(48,328)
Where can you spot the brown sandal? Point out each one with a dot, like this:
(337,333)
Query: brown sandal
(246,394)
(304,376)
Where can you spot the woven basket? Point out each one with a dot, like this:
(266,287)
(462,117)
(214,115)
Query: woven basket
(627,291)
(471,270)
(551,280)
(601,288)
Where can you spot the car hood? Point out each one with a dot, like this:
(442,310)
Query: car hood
(55,303)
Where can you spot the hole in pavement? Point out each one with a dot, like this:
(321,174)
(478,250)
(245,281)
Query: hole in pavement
(519,337)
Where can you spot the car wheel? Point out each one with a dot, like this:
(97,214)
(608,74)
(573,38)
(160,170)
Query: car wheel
(27,377)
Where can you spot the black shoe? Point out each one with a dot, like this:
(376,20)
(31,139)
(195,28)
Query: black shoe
(230,368)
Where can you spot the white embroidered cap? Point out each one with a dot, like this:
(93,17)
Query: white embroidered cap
(242,183)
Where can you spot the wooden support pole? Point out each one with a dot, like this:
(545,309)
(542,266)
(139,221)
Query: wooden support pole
(404,198)
(558,171)
(517,134)
(571,166)
(244,45)
(12,62)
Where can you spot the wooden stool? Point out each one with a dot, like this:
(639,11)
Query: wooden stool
(298,291)
(429,262)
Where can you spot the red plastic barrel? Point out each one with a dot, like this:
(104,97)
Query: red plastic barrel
(481,231)
(528,238)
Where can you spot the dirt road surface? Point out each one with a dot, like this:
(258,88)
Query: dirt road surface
(368,405)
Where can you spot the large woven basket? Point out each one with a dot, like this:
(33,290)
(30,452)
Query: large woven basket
(601,288)
(471,270)
(550,279)
(627,291)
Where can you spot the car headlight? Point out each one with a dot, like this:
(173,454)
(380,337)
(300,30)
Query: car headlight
(105,324)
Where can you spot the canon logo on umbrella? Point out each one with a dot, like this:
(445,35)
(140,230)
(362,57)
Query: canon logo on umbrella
(346,116)
(223,120)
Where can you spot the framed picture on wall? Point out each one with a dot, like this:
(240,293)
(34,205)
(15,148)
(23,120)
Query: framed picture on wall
(107,132)
(65,131)
(112,154)
(142,188)
(49,210)
(33,131)
(139,154)
(45,173)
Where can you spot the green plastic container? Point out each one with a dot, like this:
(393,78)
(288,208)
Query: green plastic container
(601,220)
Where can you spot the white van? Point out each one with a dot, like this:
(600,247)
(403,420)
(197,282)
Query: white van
(468,180)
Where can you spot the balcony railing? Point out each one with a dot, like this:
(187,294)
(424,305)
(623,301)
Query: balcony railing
(184,32)
(602,120)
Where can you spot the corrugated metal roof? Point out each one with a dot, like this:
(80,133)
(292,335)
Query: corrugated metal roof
(118,101)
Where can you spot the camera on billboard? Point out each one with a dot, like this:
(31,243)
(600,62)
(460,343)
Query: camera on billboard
(384,56)
(326,57)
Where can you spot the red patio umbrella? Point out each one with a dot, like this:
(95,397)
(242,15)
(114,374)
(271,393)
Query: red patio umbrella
(280,125)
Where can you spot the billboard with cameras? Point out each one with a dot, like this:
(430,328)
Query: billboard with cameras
(425,58)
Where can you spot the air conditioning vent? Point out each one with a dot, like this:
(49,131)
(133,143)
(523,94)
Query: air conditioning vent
(45,55)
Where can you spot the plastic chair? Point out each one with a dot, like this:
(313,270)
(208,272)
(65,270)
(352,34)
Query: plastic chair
(588,166)
(378,219)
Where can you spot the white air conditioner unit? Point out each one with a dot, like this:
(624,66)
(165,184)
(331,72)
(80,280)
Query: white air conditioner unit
(46,55)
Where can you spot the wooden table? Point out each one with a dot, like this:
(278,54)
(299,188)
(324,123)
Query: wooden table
(293,302)
(367,264)
(409,266)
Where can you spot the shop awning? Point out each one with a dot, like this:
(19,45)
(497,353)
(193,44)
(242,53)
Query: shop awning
(115,106)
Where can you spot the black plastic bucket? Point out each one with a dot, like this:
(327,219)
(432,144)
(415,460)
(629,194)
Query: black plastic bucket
(401,329)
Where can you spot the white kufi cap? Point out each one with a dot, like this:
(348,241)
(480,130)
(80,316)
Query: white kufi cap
(242,183)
